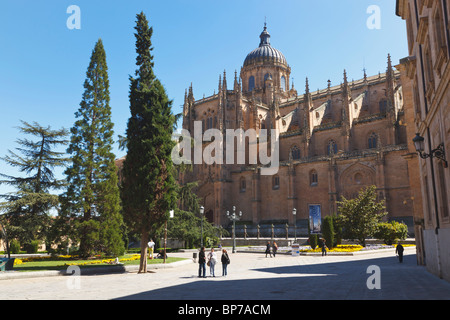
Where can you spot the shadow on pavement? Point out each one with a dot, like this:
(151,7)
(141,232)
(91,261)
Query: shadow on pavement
(321,281)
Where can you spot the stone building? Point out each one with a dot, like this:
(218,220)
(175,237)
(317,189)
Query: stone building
(332,142)
(428,68)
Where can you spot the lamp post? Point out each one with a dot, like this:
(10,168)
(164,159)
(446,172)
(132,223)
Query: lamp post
(438,153)
(233,217)
(202,209)
(165,235)
(294,213)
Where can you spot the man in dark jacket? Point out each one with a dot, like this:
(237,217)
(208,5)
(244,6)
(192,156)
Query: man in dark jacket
(399,250)
(202,263)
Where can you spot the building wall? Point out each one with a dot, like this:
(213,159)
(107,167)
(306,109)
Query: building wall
(427,65)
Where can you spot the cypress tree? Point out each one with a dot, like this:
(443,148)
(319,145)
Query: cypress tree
(92,199)
(148,186)
(28,209)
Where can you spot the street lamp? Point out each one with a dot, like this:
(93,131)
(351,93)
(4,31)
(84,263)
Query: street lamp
(438,153)
(294,212)
(171,213)
(233,217)
(202,209)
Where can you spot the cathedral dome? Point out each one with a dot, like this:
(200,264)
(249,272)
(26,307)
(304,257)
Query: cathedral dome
(265,52)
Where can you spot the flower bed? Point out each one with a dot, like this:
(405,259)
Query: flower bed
(339,248)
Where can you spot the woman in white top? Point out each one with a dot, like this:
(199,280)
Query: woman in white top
(212,259)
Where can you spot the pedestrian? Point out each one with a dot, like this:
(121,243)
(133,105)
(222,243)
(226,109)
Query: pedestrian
(268,249)
(225,259)
(151,247)
(201,263)
(274,248)
(324,247)
(212,259)
(399,251)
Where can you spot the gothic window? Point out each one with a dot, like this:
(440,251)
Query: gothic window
(276,182)
(295,153)
(283,83)
(266,76)
(331,147)
(243,184)
(383,106)
(358,178)
(209,123)
(251,83)
(313,179)
(373,141)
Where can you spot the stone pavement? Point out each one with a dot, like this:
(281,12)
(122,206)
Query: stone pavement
(251,276)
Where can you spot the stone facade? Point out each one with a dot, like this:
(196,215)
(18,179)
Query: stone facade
(333,142)
(427,66)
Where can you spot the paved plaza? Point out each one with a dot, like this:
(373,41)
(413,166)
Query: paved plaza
(251,276)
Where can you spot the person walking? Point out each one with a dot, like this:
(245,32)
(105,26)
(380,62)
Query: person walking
(225,259)
(212,259)
(399,251)
(151,247)
(201,263)
(274,248)
(324,247)
(268,249)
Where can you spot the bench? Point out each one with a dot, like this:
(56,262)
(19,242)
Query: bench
(6,264)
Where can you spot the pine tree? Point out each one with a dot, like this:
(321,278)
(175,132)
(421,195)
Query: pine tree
(28,209)
(148,186)
(92,199)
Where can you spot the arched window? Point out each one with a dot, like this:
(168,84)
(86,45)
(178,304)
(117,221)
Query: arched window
(358,178)
(276,182)
(283,83)
(331,147)
(313,179)
(383,106)
(209,123)
(251,83)
(295,153)
(373,141)
(243,184)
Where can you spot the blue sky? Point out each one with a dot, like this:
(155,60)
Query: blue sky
(43,63)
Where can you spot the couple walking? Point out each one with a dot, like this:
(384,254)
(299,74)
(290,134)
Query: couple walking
(269,247)
(212,260)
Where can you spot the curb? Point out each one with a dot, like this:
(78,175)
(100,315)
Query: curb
(8,275)
(356,253)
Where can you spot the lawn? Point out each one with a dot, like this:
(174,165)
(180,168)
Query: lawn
(62,262)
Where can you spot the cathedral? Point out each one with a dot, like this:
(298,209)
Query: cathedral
(332,143)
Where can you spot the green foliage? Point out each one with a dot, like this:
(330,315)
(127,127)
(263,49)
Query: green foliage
(148,188)
(328,231)
(187,226)
(14,246)
(27,210)
(359,217)
(32,247)
(337,231)
(391,232)
(92,200)
(313,240)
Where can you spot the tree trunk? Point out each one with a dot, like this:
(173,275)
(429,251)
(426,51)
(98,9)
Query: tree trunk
(143,261)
